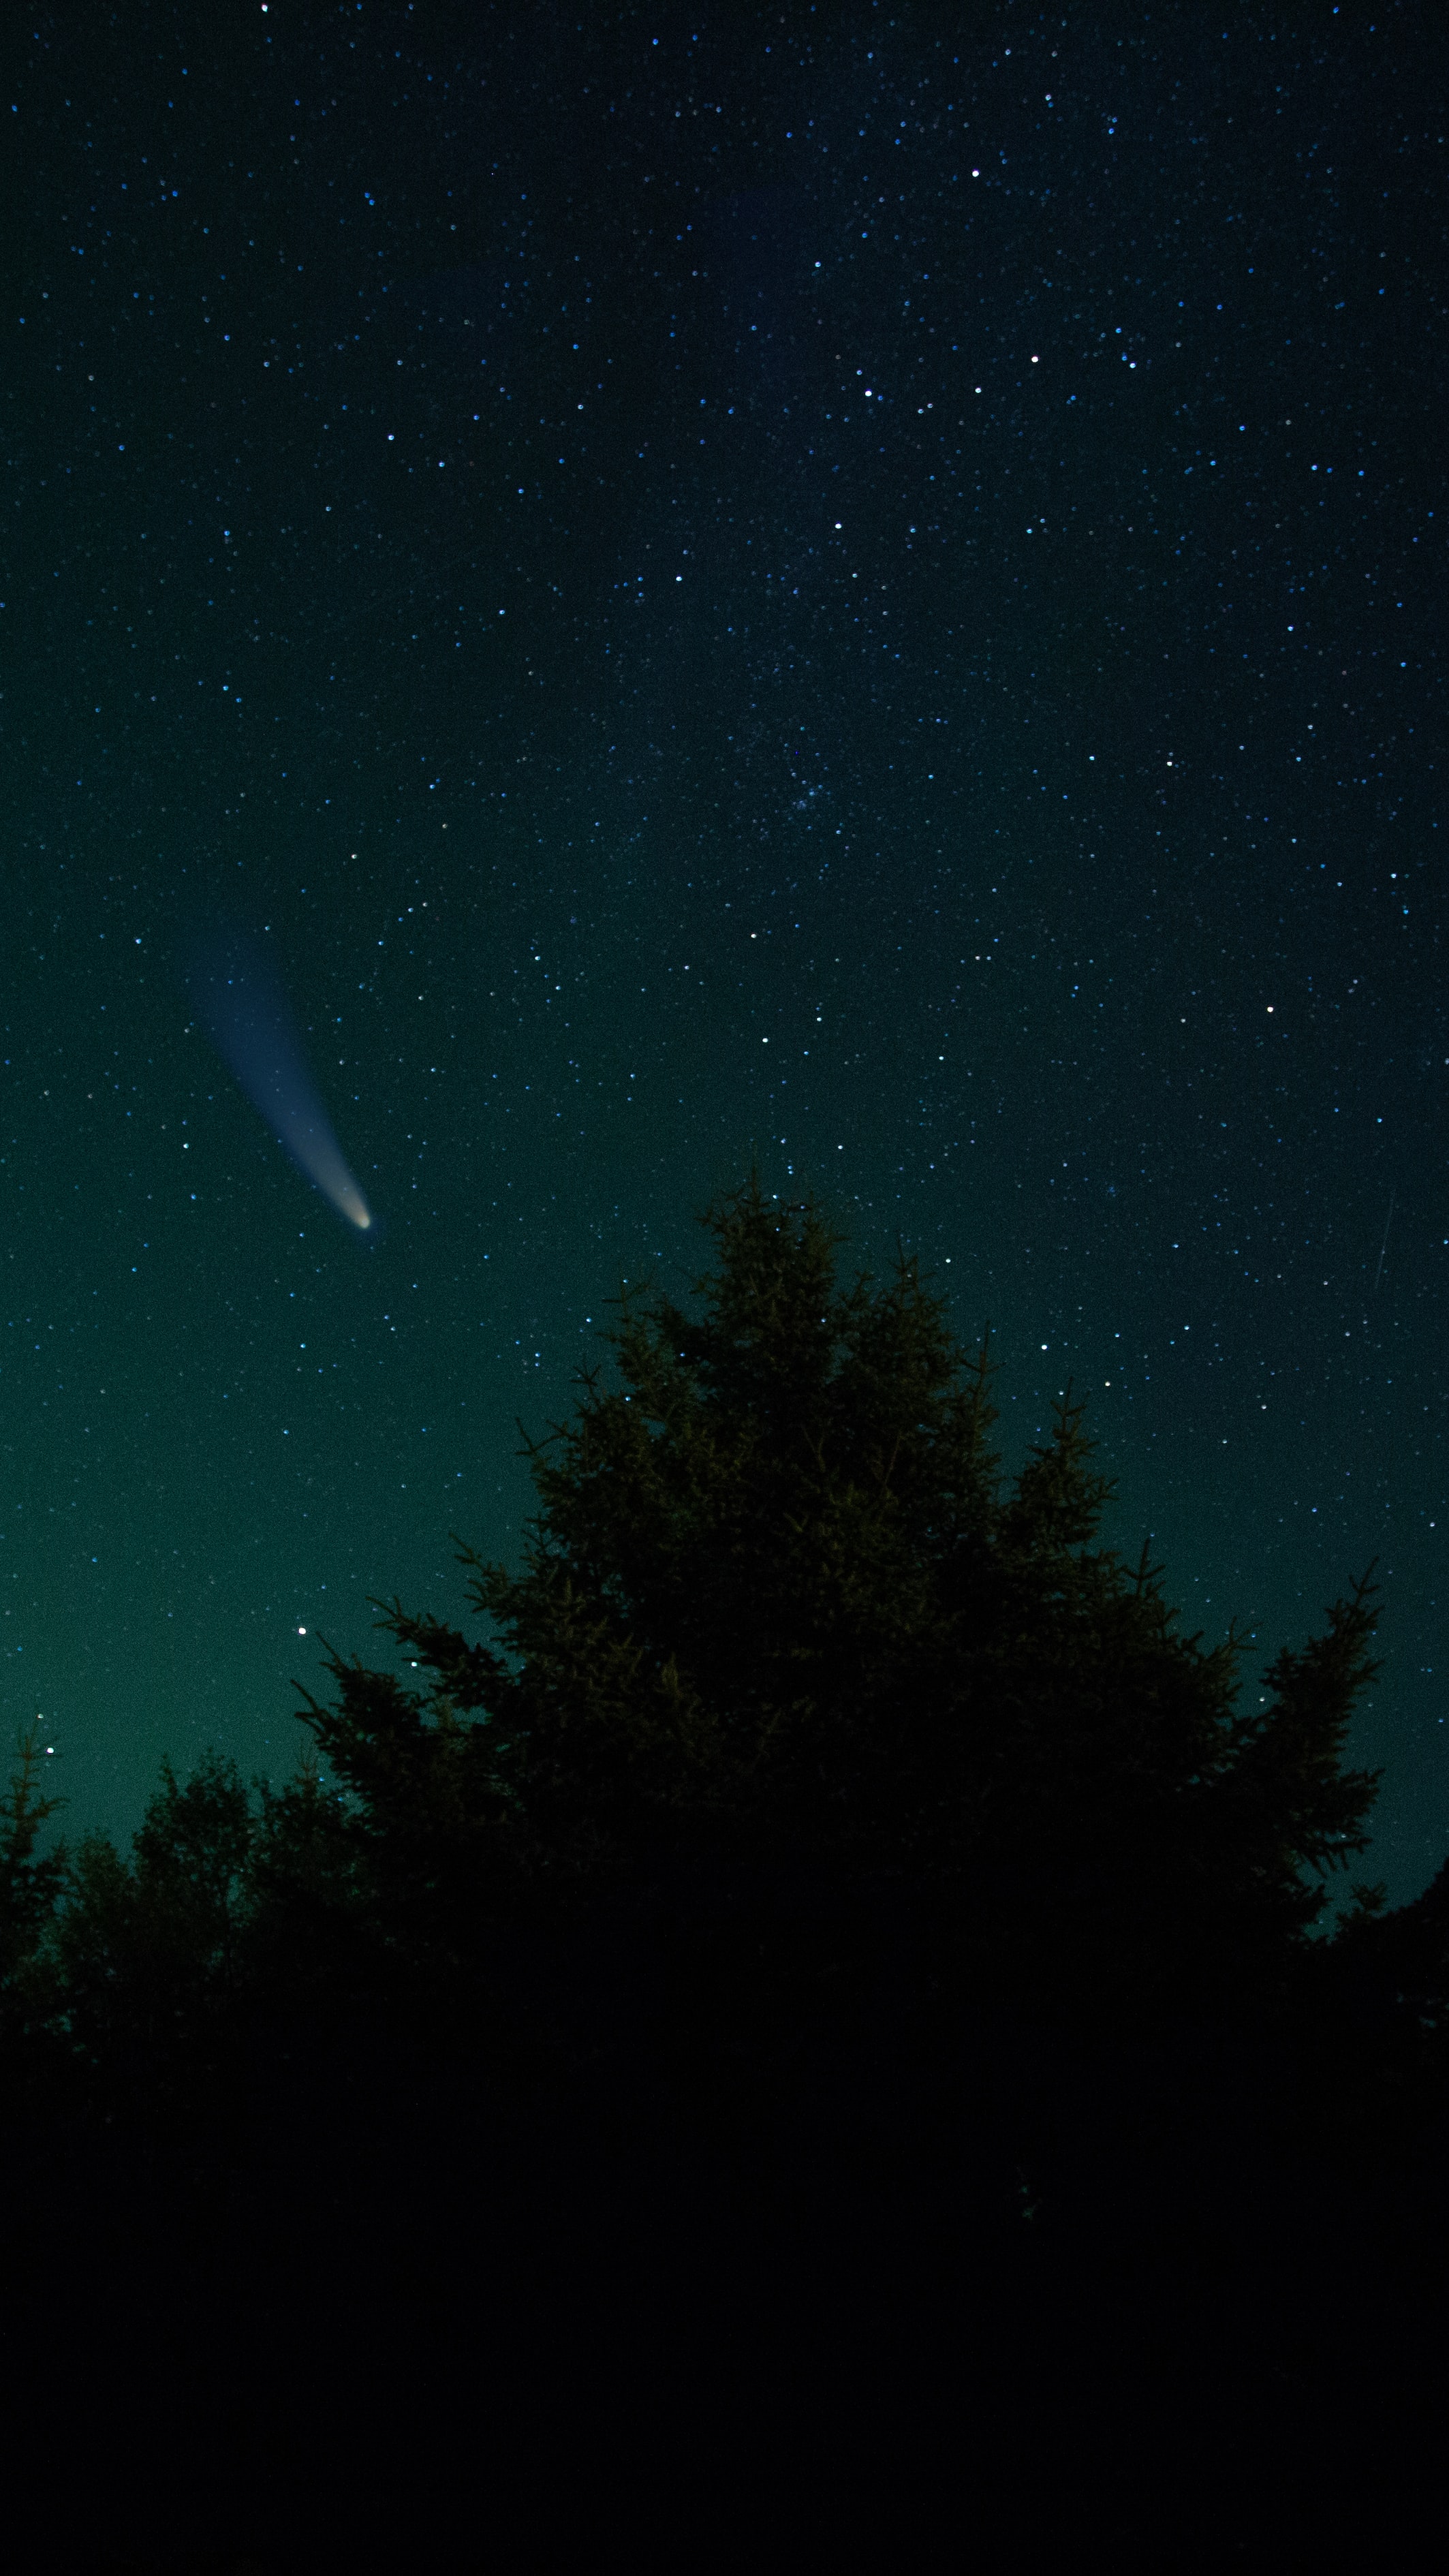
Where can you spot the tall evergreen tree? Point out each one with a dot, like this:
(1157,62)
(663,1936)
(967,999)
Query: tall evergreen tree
(778,1600)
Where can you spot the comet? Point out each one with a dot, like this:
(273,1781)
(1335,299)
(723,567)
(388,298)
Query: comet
(243,1003)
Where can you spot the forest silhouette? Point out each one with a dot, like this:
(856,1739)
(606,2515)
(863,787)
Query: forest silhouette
(814,2002)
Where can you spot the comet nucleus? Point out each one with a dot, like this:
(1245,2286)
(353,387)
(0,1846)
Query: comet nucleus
(246,1010)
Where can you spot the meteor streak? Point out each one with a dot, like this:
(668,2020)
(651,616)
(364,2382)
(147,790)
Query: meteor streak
(246,1011)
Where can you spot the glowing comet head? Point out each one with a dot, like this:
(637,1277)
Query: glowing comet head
(246,1010)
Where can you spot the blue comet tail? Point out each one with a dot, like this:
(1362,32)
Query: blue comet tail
(246,1010)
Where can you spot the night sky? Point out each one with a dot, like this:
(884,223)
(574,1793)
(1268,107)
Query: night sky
(798,586)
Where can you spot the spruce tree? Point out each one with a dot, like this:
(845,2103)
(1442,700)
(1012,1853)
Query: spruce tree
(144,1960)
(779,1608)
(31,1884)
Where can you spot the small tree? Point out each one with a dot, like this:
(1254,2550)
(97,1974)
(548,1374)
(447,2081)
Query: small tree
(145,1955)
(309,1930)
(778,1601)
(30,1881)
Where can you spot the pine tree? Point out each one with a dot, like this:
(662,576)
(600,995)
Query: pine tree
(31,1881)
(145,1956)
(778,1602)
(308,1934)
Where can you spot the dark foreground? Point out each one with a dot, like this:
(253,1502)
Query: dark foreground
(1175,2306)
(818,2045)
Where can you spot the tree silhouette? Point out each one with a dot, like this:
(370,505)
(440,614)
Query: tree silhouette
(145,1956)
(779,1605)
(796,1700)
(31,1886)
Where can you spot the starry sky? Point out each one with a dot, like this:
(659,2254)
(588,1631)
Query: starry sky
(850,589)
